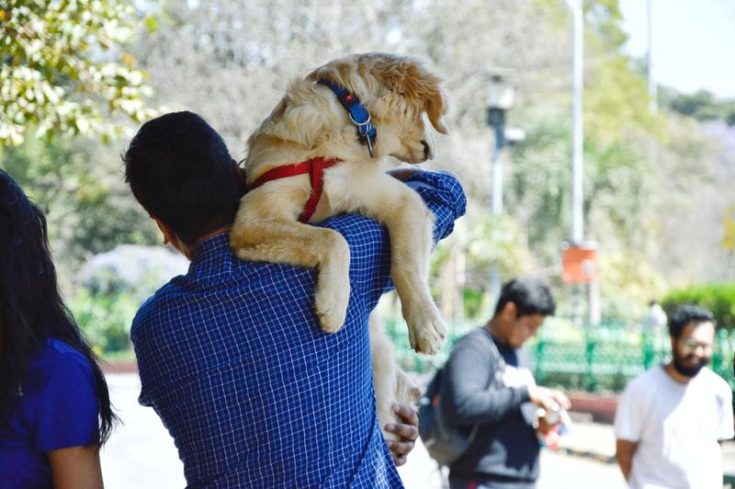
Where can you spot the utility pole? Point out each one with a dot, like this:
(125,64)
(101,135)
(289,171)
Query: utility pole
(585,251)
(652,87)
(578,122)
(500,98)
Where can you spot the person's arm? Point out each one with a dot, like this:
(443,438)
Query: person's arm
(464,389)
(549,399)
(407,429)
(76,467)
(443,195)
(66,424)
(725,430)
(624,450)
(628,425)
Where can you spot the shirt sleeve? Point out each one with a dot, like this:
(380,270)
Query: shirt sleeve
(628,416)
(466,395)
(67,411)
(370,244)
(444,195)
(725,426)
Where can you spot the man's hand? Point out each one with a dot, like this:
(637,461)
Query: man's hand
(406,429)
(544,427)
(402,174)
(549,399)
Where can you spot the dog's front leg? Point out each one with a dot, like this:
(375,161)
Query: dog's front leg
(409,223)
(282,240)
(410,227)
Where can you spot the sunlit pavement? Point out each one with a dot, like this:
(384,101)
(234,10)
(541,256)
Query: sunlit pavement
(140,453)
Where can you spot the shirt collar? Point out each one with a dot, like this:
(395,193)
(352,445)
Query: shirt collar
(211,254)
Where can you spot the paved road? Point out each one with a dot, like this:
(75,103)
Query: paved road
(141,455)
(558,471)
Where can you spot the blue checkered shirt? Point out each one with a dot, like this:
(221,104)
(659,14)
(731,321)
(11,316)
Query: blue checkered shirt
(232,359)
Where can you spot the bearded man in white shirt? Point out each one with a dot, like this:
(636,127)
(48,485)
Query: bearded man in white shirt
(671,419)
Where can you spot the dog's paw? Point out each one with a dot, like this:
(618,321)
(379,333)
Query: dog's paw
(331,306)
(426,330)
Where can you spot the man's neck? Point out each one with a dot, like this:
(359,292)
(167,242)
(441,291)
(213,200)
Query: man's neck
(493,327)
(188,251)
(674,374)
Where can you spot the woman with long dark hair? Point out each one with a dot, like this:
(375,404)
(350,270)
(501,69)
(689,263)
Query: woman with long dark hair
(54,404)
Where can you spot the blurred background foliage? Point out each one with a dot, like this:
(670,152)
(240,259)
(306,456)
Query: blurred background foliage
(718,298)
(77,78)
(62,70)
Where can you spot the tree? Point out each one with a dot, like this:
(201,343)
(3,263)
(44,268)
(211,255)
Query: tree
(728,234)
(79,185)
(62,71)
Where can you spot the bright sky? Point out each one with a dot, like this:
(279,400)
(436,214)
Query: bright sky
(693,42)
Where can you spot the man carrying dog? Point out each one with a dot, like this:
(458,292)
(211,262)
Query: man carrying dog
(231,355)
(487,386)
(671,418)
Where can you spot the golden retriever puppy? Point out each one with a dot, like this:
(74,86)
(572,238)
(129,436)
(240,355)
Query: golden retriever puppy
(320,153)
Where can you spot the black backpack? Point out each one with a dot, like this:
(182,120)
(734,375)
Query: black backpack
(444,442)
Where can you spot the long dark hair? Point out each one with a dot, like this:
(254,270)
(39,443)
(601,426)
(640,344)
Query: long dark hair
(31,309)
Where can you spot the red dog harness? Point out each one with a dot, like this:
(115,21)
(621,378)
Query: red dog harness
(314,167)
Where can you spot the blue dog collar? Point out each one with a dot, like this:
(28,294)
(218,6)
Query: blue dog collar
(359,115)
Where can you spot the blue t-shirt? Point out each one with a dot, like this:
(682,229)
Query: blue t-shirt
(255,395)
(57,408)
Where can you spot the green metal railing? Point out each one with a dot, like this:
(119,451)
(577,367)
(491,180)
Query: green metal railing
(602,358)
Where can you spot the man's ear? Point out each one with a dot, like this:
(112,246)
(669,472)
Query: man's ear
(509,312)
(171,238)
(168,235)
(240,176)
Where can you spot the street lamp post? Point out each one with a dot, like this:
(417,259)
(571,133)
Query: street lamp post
(578,243)
(578,123)
(501,96)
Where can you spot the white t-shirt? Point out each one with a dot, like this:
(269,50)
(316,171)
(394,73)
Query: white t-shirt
(677,427)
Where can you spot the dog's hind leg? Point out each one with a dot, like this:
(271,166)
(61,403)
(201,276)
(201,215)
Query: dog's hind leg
(384,375)
(392,385)
(285,241)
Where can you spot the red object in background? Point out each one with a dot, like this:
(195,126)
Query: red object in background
(579,264)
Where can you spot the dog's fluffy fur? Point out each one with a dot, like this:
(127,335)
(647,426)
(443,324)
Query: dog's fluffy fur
(309,122)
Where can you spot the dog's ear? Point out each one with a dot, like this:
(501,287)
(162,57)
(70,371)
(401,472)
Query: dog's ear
(436,107)
(409,79)
(427,88)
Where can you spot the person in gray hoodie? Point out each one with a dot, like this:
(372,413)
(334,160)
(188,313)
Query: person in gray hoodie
(488,386)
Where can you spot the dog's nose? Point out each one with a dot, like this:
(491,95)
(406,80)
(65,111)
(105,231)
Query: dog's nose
(427,149)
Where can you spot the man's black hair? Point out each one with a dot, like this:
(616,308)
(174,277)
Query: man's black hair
(181,172)
(688,314)
(530,296)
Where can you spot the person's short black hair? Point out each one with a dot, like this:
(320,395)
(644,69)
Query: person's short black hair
(181,172)
(530,296)
(687,314)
